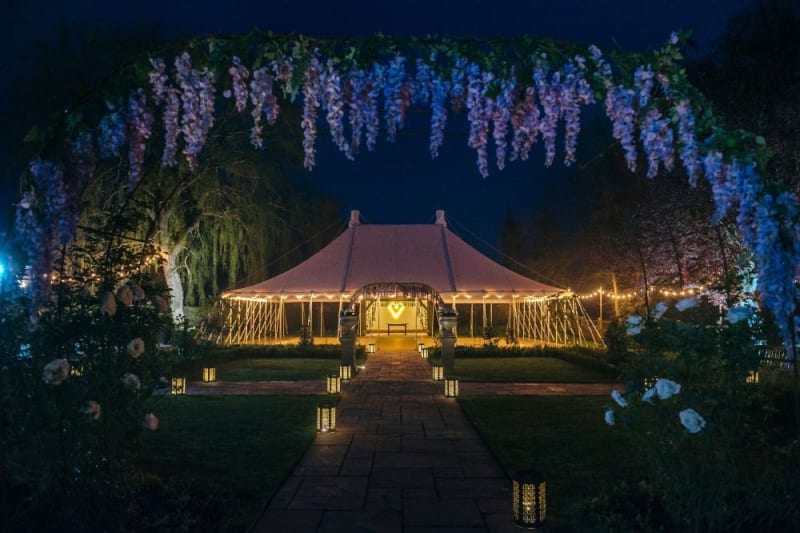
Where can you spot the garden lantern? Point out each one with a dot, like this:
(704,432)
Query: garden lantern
(420,346)
(209,374)
(752,376)
(334,384)
(438,372)
(371,347)
(345,372)
(178,385)
(326,417)
(451,388)
(530,499)
(424,353)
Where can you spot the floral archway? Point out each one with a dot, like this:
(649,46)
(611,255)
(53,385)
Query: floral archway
(515,92)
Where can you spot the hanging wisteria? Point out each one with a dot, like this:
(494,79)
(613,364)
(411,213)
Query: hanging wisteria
(513,96)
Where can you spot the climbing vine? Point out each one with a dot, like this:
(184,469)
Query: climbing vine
(515,92)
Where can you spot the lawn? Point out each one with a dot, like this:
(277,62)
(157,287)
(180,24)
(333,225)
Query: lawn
(276,369)
(528,369)
(241,447)
(565,438)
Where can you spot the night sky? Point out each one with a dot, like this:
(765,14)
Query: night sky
(398,183)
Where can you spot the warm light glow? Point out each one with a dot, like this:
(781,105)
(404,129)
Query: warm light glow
(529,499)
(345,371)
(752,376)
(424,353)
(438,372)
(420,346)
(209,374)
(371,347)
(451,388)
(326,418)
(396,309)
(334,384)
(178,385)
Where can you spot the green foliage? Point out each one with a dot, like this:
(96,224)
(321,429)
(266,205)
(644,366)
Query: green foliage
(71,437)
(616,340)
(564,439)
(529,369)
(731,475)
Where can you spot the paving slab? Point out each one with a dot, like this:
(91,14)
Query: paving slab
(403,458)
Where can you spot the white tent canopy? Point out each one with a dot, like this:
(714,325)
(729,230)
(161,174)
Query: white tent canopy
(426,254)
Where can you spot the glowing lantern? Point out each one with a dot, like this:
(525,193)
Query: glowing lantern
(530,499)
(178,385)
(209,374)
(420,346)
(371,347)
(438,372)
(424,353)
(345,372)
(752,376)
(451,388)
(326,417)
(334,384)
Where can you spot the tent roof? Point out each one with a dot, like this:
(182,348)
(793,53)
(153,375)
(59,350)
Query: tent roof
(366,254)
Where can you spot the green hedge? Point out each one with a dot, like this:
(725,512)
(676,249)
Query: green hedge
(594,359)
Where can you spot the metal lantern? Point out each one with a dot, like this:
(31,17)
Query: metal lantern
(530,499)
(345,371)
(178,385)
(752,376)
(326,417)
(209,374)
(438,372)
(371,347)
(424,353)
(420,346)
(334,384)
(451,388)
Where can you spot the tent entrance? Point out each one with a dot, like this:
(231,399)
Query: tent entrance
(396,317)
(396,309)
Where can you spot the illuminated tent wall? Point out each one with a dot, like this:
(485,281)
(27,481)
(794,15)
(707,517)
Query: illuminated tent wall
(393,274)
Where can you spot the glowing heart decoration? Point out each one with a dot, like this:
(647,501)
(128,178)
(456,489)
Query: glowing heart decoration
(396,309)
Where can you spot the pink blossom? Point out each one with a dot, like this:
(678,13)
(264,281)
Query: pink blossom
(136,347)
(150,422)
(109,305)
(125,296)
(55,372)
(92,408)
(131,382)
(160,304)
(137,290)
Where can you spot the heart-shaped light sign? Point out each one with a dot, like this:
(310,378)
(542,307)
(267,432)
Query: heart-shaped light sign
(396,309)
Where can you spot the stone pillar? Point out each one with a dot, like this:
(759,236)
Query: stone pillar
(448,321)
(348,324)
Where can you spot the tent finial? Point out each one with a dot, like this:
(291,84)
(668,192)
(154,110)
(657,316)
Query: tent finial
(440,218)
(355,218)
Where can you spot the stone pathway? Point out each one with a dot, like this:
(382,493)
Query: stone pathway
(317,386)
(402,458)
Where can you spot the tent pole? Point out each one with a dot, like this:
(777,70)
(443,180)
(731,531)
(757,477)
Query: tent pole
(471,320)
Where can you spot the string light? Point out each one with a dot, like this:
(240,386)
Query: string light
(627,295)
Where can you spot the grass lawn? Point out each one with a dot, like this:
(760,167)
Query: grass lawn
(530,369)
(564,437)
(276,369)
(245,444)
